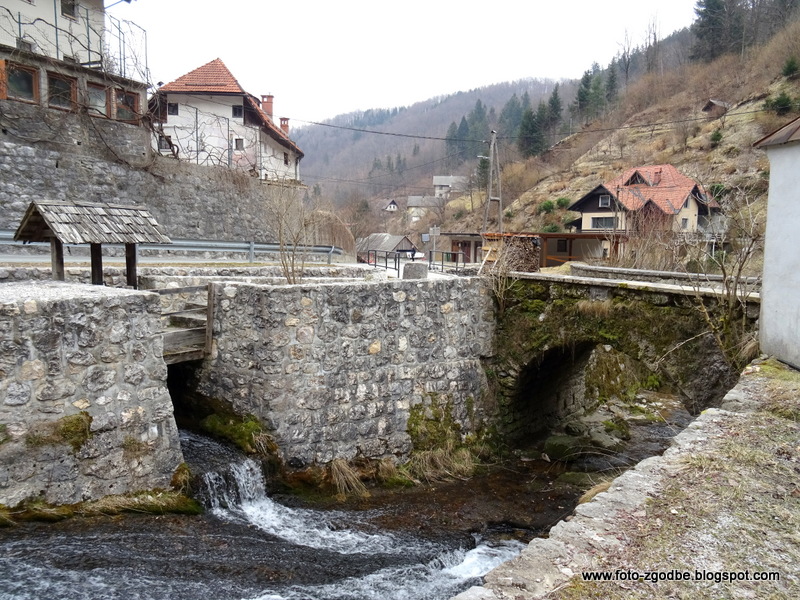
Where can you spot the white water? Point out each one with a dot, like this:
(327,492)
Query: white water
(438,573)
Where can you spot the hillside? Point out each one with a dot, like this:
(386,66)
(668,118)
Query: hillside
(656,119)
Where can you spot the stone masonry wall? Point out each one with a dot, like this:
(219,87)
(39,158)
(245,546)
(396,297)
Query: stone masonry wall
(84,407)
(334,370)
(190,201)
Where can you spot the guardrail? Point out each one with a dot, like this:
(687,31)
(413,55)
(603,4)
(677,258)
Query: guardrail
(373,255)
(251,248)
(453,260)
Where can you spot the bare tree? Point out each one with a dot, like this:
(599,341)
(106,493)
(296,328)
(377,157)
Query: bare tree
(626,56)
(506,257)
(290,219)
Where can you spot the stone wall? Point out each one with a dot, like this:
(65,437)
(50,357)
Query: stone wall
(190,201)
(334,370)
(84,407)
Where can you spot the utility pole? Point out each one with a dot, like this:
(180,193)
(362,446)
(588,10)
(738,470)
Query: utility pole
(493,192)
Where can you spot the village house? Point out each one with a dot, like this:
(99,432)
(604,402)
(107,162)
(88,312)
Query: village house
(645,199)
(444,185)
(207,118)
(58,54)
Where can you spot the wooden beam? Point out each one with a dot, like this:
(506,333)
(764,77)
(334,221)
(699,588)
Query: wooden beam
(57,259)
(130,265)
(180,338)
(96,251)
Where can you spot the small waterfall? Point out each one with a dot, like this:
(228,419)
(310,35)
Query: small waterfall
(418,569)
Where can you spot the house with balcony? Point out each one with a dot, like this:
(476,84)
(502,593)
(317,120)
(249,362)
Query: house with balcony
(55,54)
(206,117)
(646,199)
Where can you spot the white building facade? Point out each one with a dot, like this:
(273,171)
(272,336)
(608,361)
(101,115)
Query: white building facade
(206,117)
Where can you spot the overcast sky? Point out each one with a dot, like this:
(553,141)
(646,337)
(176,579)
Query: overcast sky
(321,58)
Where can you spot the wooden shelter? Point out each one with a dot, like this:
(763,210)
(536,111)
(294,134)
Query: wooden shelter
(90,223)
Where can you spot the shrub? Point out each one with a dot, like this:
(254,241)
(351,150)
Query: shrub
(551,228)
(563,202)
(791,67)
(547,206)
(780,105)
(716,138)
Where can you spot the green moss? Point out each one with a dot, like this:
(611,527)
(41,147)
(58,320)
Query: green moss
(73,430)
(4,437)
(240,431)
(431,425)
(133,447)
(618,427)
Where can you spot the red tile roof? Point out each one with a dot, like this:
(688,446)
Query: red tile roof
(663,185)
(211,78)
(215,78)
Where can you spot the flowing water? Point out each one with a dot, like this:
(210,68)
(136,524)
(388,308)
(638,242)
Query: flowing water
(247,546)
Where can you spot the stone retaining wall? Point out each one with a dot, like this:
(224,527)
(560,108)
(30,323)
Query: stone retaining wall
(84,407)
(334,370)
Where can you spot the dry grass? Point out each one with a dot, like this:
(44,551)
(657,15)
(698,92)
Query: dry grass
(346,480)
(734,506)
(594,490)
(441,464)
(592,308)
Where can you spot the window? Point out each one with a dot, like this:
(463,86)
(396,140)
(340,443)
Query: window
(605,201)
(684,224)
(164,142)
(60,91)
(98,100)
(238,144)
(604,222)
(238,111)
(127,105)
(69,8)
(286,158)
(172,108)
(561,245)
(23,83)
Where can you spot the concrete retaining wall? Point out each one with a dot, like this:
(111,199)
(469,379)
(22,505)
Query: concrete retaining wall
(334,370)
(84,407)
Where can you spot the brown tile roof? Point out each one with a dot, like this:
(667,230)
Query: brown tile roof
(216,78)
(89,223)
(663,185)
(211,78)
(788,133)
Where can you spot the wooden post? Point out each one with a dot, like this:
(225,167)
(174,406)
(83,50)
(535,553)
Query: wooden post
(130,265)
(210,317)
(57,259)
(96,251)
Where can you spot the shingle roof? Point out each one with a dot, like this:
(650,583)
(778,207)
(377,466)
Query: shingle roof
(786,134)
(212,78)
(663,185)
(89,223)
(383,242)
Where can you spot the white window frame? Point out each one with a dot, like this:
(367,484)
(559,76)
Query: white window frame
(605,201)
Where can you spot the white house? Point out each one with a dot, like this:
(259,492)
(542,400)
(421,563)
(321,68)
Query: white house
(444,185)
(206,117)
(60,54)
(780,288)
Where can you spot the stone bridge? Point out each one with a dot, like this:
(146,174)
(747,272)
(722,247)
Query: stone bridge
(332,369)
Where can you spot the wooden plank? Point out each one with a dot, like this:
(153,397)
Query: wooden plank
(200,310)
(184,356)
(210,317)
(184,337)
(57,259)
(130,265)
(181,290)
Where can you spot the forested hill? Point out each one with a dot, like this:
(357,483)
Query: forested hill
(342,160)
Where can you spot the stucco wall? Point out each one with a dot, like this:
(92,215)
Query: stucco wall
(333,370)
(780,288)
(70,352)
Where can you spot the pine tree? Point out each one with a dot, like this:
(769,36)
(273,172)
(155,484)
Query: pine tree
(611,82)
(718,28)
(510,118)
(463,136)
(554,110)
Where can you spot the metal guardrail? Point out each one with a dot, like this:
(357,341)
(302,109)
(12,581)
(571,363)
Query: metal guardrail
(374,255)
(453,260)
(251,248)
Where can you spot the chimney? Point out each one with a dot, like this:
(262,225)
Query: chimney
(285,125)
(266,104)
(657,177)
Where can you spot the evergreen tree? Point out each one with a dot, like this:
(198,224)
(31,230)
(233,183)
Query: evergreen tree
(451,145)
(510,118)
(611,82)
(532,139)
(718,28)
(554,110)
(584,94)
(463,137)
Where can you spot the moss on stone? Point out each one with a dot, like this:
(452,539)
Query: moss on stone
(4,437)
(73,430)
(240,431)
